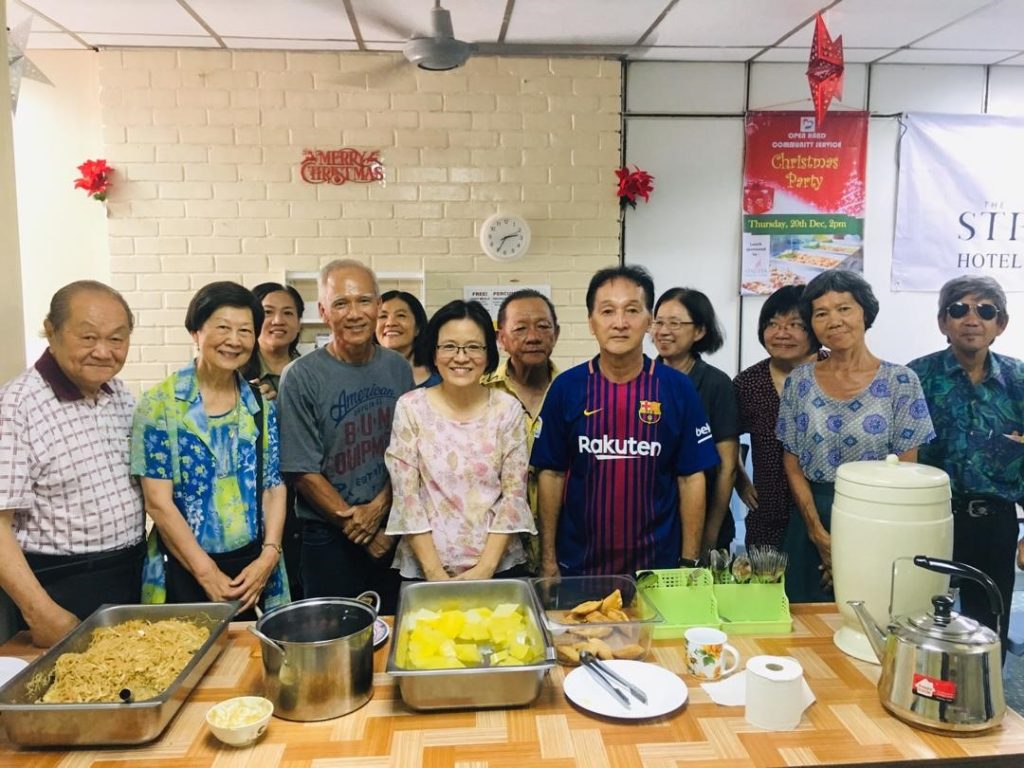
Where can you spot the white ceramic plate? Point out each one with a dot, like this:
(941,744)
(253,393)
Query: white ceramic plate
(666,692)
(381,631)
(9,667)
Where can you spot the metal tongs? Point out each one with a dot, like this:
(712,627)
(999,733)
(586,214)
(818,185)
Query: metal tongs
(607,678)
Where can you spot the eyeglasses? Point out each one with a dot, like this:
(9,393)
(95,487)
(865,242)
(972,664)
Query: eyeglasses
(794,326)
(472,350)
(959,309)
(672,324)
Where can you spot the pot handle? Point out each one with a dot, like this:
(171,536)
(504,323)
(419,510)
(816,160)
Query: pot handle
(965,571)
(371,599)
(267,641)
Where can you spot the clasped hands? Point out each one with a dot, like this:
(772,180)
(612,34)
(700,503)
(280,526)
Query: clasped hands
(247,586)
(361,523)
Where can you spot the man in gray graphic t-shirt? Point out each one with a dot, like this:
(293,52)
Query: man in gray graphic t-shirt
(336,406)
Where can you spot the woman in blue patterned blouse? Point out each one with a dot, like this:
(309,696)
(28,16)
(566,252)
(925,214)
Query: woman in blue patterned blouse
(849,407)
(217,505)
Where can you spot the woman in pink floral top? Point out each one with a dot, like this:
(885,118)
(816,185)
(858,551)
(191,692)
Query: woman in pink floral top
(458,461)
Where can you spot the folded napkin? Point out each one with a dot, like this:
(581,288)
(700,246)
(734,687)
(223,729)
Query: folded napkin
(730,692)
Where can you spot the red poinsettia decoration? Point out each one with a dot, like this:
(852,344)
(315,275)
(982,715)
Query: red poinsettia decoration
(95,178)
(634,184)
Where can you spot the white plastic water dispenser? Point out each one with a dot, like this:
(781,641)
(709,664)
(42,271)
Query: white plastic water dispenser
(885,510)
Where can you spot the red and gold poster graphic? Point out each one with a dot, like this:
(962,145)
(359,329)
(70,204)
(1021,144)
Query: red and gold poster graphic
(337,166)
(803,197)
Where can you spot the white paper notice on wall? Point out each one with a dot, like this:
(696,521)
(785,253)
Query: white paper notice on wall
(491,296)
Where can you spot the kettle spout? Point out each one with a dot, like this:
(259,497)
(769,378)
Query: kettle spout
(874,633)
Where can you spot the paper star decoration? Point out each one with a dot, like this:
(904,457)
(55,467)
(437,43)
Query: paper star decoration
(18,64)
(825,69)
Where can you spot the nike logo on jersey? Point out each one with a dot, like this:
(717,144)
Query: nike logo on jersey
(591,413)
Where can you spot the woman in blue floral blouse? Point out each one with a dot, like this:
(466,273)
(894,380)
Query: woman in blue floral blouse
(849,407)
(217,535)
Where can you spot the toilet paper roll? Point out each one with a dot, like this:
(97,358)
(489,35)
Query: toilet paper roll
(776,693)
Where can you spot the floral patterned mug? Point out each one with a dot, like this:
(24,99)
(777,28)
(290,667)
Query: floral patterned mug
(705,652)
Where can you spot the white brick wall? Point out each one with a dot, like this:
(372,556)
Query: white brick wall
(207,146)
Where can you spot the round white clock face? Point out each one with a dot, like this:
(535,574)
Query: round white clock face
(505,236)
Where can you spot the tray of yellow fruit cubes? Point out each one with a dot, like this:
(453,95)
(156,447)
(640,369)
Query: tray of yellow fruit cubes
(469,644)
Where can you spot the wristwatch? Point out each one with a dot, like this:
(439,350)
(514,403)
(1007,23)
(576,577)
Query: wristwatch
(688,562)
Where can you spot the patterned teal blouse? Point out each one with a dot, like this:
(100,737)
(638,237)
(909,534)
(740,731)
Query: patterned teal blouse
(212,463)
(971,421)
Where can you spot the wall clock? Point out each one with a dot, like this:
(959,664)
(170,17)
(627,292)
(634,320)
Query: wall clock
(505,236)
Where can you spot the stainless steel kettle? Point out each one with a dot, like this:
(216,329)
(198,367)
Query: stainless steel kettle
(940,671)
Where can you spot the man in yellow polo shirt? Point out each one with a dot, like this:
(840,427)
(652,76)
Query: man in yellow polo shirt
(527,331)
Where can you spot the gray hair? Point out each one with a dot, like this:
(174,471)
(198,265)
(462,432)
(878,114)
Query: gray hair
(980,285)
(336,264)
(60,303)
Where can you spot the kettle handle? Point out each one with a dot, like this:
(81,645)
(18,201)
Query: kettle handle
(965,571)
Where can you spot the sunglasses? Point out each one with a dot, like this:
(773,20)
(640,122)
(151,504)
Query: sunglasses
(959,309)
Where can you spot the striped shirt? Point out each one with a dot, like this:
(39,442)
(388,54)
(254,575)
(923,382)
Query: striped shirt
(64,464)
(622,447)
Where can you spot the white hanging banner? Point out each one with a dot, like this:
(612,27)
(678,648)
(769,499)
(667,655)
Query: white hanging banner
(960,204)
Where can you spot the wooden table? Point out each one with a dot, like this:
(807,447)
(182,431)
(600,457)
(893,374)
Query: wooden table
(845,725)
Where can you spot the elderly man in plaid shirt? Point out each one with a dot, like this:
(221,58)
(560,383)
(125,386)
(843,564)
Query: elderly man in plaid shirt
(71,516)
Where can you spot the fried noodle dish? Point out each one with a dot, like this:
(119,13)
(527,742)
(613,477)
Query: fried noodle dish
(138,656)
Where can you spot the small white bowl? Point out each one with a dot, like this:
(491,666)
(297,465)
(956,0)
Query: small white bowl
(9,667)
(241,720)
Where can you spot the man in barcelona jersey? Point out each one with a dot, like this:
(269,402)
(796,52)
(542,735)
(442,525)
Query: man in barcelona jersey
(622,446)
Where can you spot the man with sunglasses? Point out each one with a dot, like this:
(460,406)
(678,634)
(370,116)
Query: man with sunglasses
(976,399)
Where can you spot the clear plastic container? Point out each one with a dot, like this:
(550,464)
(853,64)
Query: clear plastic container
(626,636)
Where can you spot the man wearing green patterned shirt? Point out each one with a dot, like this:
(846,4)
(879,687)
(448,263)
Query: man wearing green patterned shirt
(976,399)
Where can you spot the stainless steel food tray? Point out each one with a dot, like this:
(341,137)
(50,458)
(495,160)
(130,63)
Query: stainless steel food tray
(471,687)
(32,724)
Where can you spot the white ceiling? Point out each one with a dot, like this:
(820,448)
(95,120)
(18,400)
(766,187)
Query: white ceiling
(893,31)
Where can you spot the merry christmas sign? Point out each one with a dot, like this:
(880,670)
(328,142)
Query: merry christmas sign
(338,166)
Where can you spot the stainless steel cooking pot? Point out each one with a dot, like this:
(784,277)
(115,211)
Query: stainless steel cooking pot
(318,656)
(940,671)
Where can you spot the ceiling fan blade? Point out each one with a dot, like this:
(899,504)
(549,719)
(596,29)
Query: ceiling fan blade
(387,76)
(374,76)
(558,49)
(393,27)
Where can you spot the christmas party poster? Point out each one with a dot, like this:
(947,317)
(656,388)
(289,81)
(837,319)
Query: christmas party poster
(803,197)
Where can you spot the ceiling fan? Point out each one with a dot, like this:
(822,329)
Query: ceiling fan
(441,50)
